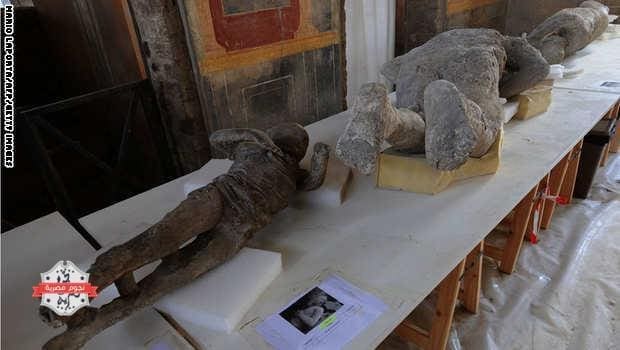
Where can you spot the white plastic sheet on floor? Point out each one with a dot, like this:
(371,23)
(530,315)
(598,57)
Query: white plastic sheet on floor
(565,292)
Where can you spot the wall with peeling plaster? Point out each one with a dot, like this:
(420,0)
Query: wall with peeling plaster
(264,62)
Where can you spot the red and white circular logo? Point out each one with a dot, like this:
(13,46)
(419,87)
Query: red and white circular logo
(64,289)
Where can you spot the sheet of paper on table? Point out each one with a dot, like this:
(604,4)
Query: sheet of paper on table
(327,316)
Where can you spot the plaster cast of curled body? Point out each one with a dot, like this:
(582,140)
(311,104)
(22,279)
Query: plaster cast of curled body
(448,99)
(221,216)
(570,30)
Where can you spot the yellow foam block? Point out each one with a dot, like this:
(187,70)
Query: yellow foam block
(412,173)
(534,101)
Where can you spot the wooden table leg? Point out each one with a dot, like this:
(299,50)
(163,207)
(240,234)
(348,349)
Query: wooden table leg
(604,156)
(437,337)
(518,227)
(462,283)
(571,174)
(446,302)
(556,178)
(536,215)
(412,333)
(472,280)
(614,144)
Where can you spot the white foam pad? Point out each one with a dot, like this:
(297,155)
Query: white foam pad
(333,190)
(220,298)
(510,110)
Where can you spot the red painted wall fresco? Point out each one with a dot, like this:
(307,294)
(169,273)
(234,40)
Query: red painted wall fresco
(262,25)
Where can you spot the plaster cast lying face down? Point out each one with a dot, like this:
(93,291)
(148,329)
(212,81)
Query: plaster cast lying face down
(570,30)
(221,216)
(447,99)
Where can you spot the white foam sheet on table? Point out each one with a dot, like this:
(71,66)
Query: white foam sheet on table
(565,292)
(510,110)
(333,190)
(216,301)
(220,298)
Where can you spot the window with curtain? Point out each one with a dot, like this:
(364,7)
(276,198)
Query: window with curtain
(370,34)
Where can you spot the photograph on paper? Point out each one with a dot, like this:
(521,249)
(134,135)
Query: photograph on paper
(310,310)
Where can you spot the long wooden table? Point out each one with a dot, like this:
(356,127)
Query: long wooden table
(396,245)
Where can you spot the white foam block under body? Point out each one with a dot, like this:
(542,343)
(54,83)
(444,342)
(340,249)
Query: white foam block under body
(218,300)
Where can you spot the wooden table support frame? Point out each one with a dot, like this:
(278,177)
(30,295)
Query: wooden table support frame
(568,186)
(556,178)
(614,144)
(540,204)
(462,283)
(518,222)
(560,182)
(469,293)
(562,176)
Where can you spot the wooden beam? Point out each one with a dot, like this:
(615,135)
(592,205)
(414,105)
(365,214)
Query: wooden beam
(568,186)
(614,145)
(557,176)
(493,252)
(413,333)
(519,225)
(133,36)
(446,302)
(448,292)
(541,203)
(472,279)
(604,156)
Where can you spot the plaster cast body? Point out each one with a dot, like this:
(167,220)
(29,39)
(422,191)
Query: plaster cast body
(221,216)
(569,31)
(448,95)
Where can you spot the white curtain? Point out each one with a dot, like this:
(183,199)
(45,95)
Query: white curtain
(370,31)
